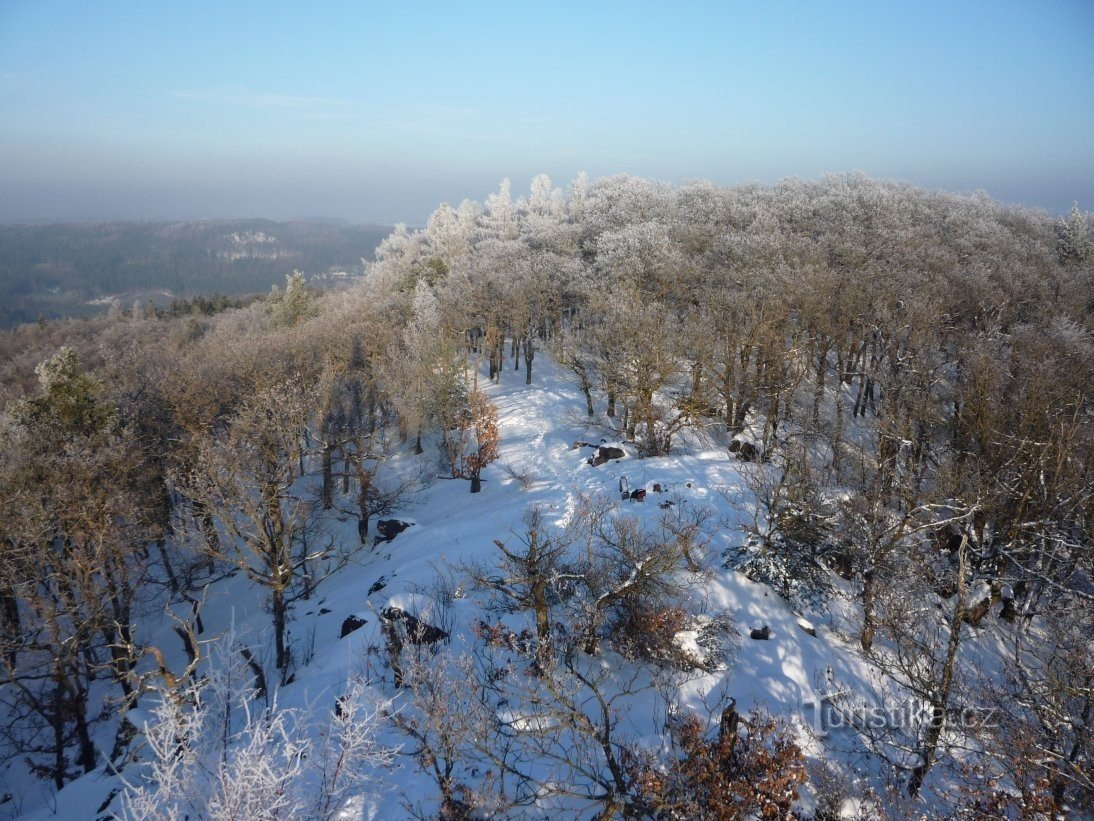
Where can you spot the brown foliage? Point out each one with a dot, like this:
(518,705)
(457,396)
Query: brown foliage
(484,417)
(754,773)
(649,634)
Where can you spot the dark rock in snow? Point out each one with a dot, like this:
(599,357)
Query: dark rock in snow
(761,634)
(639,494)
(389,529)
(417,631)
(378,585)
(975,614)
(606,453)
(350,624)
(746,451)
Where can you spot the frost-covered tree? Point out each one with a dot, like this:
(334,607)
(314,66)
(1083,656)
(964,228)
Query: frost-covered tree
(1074,244)
(215,751)
(499,220)
(293,305)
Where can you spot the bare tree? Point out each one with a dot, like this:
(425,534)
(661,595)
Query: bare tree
(249,479)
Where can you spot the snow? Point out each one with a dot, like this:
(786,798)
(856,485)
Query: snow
(539,424)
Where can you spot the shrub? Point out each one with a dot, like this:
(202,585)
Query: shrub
(649,634)
(741,773)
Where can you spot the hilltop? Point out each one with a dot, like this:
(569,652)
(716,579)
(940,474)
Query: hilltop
(628,500)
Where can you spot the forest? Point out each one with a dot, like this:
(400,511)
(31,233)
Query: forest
(895,383)
(77,269)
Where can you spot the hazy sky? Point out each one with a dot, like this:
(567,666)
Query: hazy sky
(380,111)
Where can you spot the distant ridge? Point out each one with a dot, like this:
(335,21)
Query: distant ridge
(53,270)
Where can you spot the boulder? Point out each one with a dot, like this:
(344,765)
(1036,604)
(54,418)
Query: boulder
(747,452)
(606,453)
(761,634)
(975,614)
(350,624)
(417,631)
(388,529)
(378,585)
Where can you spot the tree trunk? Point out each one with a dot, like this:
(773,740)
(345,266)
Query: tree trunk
(172,580)
(476,483)
(88,756)
(208,527)
(868,593)
(9,606)
(837,435)
(57,724)
(771,425)
(529,354)
(542,612)
(727,390)
(394,649)
(727,727)
(941,696)
(364,508)
(818,390)
(328,472)
(280,612)
(586,388)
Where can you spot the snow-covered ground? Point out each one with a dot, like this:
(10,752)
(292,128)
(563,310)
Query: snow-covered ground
(539,424)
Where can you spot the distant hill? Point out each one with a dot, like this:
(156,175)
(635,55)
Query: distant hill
(76,269)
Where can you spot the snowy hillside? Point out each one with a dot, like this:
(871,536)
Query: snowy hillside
(424,571)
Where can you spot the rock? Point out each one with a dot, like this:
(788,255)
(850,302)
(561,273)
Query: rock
(639,494)
(761,634)
(417,631)
(975,614)
(378,585)
(350,624)
(747,452)
(389,529)
(807,627)
(606,453)
(657,488)
(840,562)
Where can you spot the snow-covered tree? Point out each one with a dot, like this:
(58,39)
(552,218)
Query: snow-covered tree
(215,751)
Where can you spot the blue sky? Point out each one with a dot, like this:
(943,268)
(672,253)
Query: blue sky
(379,111)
